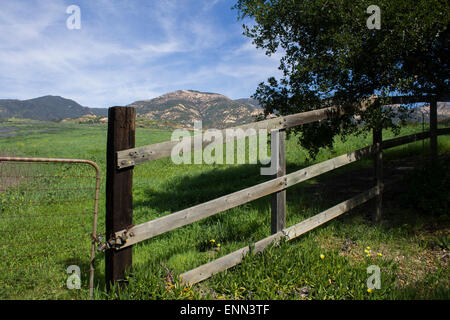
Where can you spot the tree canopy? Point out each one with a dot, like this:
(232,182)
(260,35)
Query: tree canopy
(330,55)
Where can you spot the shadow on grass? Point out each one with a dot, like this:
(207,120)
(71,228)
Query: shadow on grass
(178,193)
(322,192)
(185,191)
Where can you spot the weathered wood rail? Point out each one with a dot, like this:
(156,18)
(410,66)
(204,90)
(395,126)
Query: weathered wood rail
(230,260)
(131,157)
(184,217)
(123,234)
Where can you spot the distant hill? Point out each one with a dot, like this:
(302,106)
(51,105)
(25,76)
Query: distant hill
(250,101)
(423,111)
(178,108)
(443,111)
(46,108)
(186,106)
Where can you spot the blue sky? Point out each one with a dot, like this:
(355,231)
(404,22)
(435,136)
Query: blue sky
(127,50)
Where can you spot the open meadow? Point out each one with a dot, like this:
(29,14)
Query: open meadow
(410,245)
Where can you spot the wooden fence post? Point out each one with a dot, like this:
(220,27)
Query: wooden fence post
(119,197)
(433,129)
(278,200)
(378,170)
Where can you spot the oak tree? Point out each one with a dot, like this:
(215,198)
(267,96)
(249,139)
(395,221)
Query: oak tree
(332,56)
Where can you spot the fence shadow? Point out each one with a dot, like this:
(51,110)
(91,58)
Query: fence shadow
(327,190)
(179,193)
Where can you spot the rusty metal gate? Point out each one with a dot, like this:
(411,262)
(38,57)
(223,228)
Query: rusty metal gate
(48,225)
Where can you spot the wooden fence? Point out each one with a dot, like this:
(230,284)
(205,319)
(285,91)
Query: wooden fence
(122,156)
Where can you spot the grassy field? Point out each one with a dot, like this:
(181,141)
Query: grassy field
(410,245)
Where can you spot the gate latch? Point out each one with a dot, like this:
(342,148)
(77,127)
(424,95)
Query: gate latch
(103,245)
(113,243)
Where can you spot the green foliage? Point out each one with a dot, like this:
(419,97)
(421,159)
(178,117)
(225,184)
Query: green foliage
(443,241)
(292,271)
(319,274)
(331,57)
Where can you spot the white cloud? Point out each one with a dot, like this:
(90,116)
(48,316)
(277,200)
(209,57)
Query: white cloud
(209,4)
(114,61)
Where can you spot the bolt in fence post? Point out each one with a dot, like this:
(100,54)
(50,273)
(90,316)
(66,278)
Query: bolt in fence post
(378,168)
(433,129)
(119,196)
(278,199)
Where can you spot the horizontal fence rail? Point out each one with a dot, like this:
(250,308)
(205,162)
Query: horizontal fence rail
(123,156)
(412,138)
(134,156)
(187,216)
(230,260)
(184,217)
(131,157)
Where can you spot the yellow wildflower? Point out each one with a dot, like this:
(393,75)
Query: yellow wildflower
(322,256)
(369,290)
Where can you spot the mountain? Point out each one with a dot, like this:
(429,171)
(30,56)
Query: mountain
(250,101)
(46,108)
(181,107)
(186,106)
(443,111)
(416,114)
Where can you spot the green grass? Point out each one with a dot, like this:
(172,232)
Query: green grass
(45,219)
(41,229)
(293,270)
